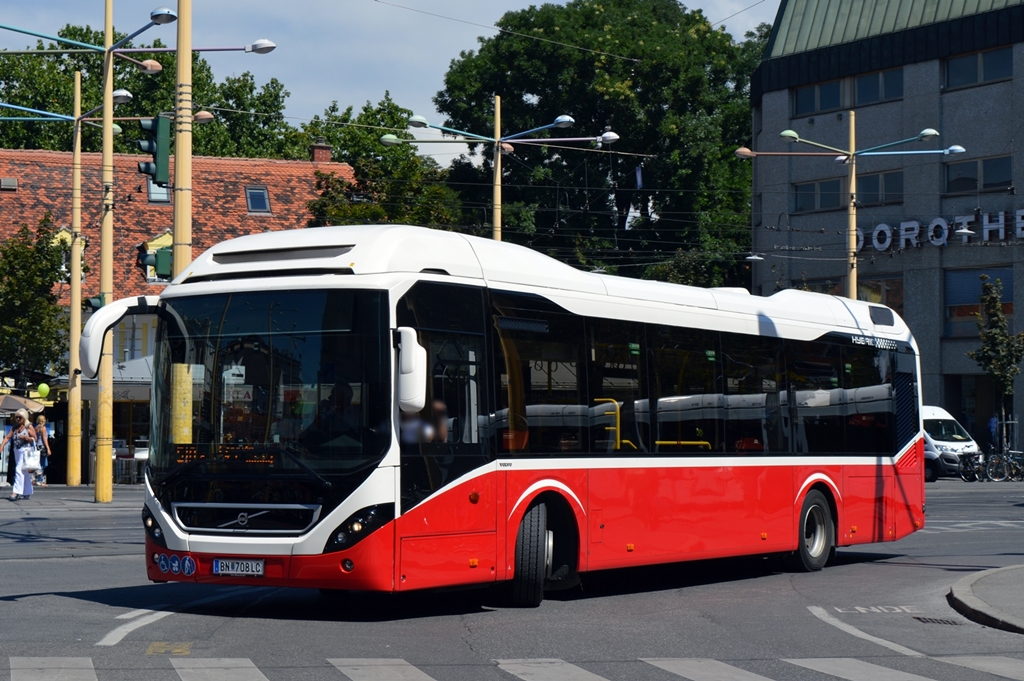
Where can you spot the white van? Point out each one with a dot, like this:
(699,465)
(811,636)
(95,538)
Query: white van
(944,441)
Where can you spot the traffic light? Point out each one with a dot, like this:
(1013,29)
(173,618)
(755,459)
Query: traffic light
(94,303)
(159,260)
(158,131)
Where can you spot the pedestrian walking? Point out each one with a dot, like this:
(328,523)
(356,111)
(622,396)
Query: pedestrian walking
(43,444)
(23,439)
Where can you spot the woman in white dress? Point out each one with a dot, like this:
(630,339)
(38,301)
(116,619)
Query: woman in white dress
(24,437)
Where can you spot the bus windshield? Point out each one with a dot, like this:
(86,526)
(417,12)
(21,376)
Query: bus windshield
(271,384)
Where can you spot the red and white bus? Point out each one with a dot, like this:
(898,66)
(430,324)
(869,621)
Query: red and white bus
(391,408)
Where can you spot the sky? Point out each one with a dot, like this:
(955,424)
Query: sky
(351,51)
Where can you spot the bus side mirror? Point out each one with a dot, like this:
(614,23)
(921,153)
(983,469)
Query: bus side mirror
(412,371)
(102,320)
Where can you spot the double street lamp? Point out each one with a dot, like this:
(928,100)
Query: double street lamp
(501,146)
(849,157)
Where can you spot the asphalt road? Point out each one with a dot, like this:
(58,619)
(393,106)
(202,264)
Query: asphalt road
(74,604)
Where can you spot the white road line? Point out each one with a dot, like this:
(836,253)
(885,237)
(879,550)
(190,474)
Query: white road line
(821,614)
(52,669)
(216,669)
(115,635)
(703,669)
(378,669)
(1009,667)
(142,611)
(855,670)
(546,670)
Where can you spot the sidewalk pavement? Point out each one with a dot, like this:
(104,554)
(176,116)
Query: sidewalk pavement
(80,498)
(994,598)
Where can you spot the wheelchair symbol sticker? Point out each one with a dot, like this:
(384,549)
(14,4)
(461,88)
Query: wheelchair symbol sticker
(164,563)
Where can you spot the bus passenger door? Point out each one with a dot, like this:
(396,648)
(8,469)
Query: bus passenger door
(449,502)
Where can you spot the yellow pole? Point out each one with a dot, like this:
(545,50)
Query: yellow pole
(497,169)
(182,247)
(851,214)
(181,250)
(74,460)
(105,388)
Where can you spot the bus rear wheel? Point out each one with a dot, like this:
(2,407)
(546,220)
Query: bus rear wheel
(817,534)
(533,558)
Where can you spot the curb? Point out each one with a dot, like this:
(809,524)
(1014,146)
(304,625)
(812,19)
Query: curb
(961,597)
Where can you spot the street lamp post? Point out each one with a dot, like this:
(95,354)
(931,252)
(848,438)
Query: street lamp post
(501,146)
(849,156)
(104,490)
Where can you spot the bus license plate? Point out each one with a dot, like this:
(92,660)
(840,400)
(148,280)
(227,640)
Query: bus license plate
(243,568)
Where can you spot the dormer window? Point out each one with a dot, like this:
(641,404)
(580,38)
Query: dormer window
(257,200)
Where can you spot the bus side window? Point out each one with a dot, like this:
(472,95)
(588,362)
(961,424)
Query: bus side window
(686,407)
(869,417)
(539,381)
(617,384)
(816,399)
(752,370)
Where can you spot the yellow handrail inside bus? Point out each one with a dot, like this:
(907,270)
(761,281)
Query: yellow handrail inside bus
(618,423)
(691,443)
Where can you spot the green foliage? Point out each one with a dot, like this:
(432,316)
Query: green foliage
(392,184)
(46,82)
(682,96)
(33,324)
(1001,352)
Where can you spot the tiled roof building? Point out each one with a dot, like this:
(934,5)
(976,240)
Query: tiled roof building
(231,197)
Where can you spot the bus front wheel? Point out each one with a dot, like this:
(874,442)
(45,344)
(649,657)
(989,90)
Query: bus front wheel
(533,558)
(817,534)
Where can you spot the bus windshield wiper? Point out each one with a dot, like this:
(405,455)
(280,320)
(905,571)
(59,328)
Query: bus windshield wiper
(179,471)
(301,464)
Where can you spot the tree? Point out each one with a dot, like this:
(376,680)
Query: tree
(672,86)
(250,119)
(1001,352)
(392,184)
(33,324)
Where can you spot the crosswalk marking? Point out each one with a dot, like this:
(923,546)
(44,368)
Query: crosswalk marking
(395,669)
(1008,667)
(379,670)
(701,669)
(855,670)
(216,669)
(52,669)
(546,670)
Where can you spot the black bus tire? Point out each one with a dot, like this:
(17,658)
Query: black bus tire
(531,558)
(817,534)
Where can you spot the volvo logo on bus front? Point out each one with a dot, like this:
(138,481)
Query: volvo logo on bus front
(243,519)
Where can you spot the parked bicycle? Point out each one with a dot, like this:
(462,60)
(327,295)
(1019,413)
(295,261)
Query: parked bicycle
(974,466)
(1008,466)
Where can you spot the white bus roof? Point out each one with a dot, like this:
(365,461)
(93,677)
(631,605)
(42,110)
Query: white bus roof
(380,249)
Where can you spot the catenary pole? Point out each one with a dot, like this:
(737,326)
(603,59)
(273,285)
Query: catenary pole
(851,214)
(104,490)
(74,455)
(496,234)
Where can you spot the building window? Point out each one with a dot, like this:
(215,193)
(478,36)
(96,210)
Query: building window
(989,174)
(157,194)
(814,98)
(824,195)
(880,87)
(257,199)
(963,298)
(980,67)
(880,188)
